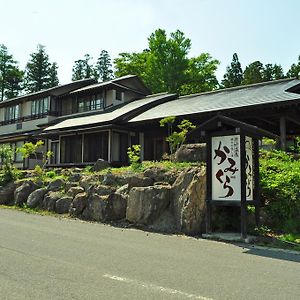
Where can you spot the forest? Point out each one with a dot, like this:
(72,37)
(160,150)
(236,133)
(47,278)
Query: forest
(164,66)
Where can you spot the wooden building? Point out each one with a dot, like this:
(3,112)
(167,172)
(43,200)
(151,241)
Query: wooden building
(85,120)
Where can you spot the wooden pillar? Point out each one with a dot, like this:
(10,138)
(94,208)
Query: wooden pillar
(243,188)
(282,133)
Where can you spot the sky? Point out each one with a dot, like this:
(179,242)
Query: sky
(265,30)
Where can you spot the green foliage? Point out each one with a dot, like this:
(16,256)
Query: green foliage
(30,148)
(296,147)
(134,153)
(254,73)
(103,68)
(10,75)
(280,181)
(176,138)
(165,65)
(40,73)
(51,174)
(83,68)
(8,173)
(200,75)
(234,73)
(294,69)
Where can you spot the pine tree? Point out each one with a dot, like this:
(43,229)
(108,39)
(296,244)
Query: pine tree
(234,73)
(40,73)
(10,75)
(294,70)
(272,72)
(82,68)
(254,73)
(103,68)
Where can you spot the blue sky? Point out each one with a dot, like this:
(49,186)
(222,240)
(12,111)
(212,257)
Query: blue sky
(265,30)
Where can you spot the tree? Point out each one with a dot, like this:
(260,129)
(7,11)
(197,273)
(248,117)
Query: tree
(254,73)
(165,65)
(200,75)
(272,72)
(103,68)
(234,73)
(294,70)
(167,61)
(40,73)
(132,63)
(82,68)
(53,78)
(10,75)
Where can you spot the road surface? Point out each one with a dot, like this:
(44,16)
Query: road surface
(44,257)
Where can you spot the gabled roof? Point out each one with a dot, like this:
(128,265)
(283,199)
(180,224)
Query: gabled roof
(279,91)
(54,91)
(220,121)
(128,82)
(120,113)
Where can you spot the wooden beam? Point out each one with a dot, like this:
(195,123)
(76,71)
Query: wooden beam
(283,133)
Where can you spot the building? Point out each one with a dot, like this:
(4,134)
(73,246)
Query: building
(84,120)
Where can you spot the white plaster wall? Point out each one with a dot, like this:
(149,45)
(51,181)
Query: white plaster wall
(110,96)
(26,126)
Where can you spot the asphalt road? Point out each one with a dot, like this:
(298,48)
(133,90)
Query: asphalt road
(45,257)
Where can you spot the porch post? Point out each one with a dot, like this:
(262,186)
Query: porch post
(282,133)
(109,145)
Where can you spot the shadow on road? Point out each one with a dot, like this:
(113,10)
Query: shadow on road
(271,253)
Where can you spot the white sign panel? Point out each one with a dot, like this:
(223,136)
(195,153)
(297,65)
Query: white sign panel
(249,168)
(226,168)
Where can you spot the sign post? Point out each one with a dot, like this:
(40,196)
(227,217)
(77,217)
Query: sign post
(232,166)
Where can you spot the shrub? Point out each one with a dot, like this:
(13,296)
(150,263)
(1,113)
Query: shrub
(176,138)
(9,172)
(280,182)
(134,153)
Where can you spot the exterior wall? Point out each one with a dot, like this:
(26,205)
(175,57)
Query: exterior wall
(26,126)
(26,108)
(110,97)
(67,106)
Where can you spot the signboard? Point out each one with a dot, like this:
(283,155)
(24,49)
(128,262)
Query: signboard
(249,168)
(226,168)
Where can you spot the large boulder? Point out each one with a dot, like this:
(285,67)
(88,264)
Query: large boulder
(63,204)
(78,205)
(95,209)
(87,181)
(160,175)
(56,185)
(191,153)
(22,192)
(75,177)
(36,197)
(50,199)
(188,200)
(113,179)
(7,193)
(116,207)
(101,164)
(146,204)
(73,191)
(134,180)
(101,190)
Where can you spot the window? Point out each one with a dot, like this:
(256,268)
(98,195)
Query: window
(13,112)
(71,149)
(119,95)
(54,149)
(95,146)
(91,102)
(39,107)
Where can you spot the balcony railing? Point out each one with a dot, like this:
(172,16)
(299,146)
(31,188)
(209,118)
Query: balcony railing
(30,118)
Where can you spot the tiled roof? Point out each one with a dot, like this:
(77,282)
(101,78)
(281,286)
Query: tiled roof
(121,111)
(225,99)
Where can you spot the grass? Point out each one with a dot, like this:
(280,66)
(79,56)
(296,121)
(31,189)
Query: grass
(35,211)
